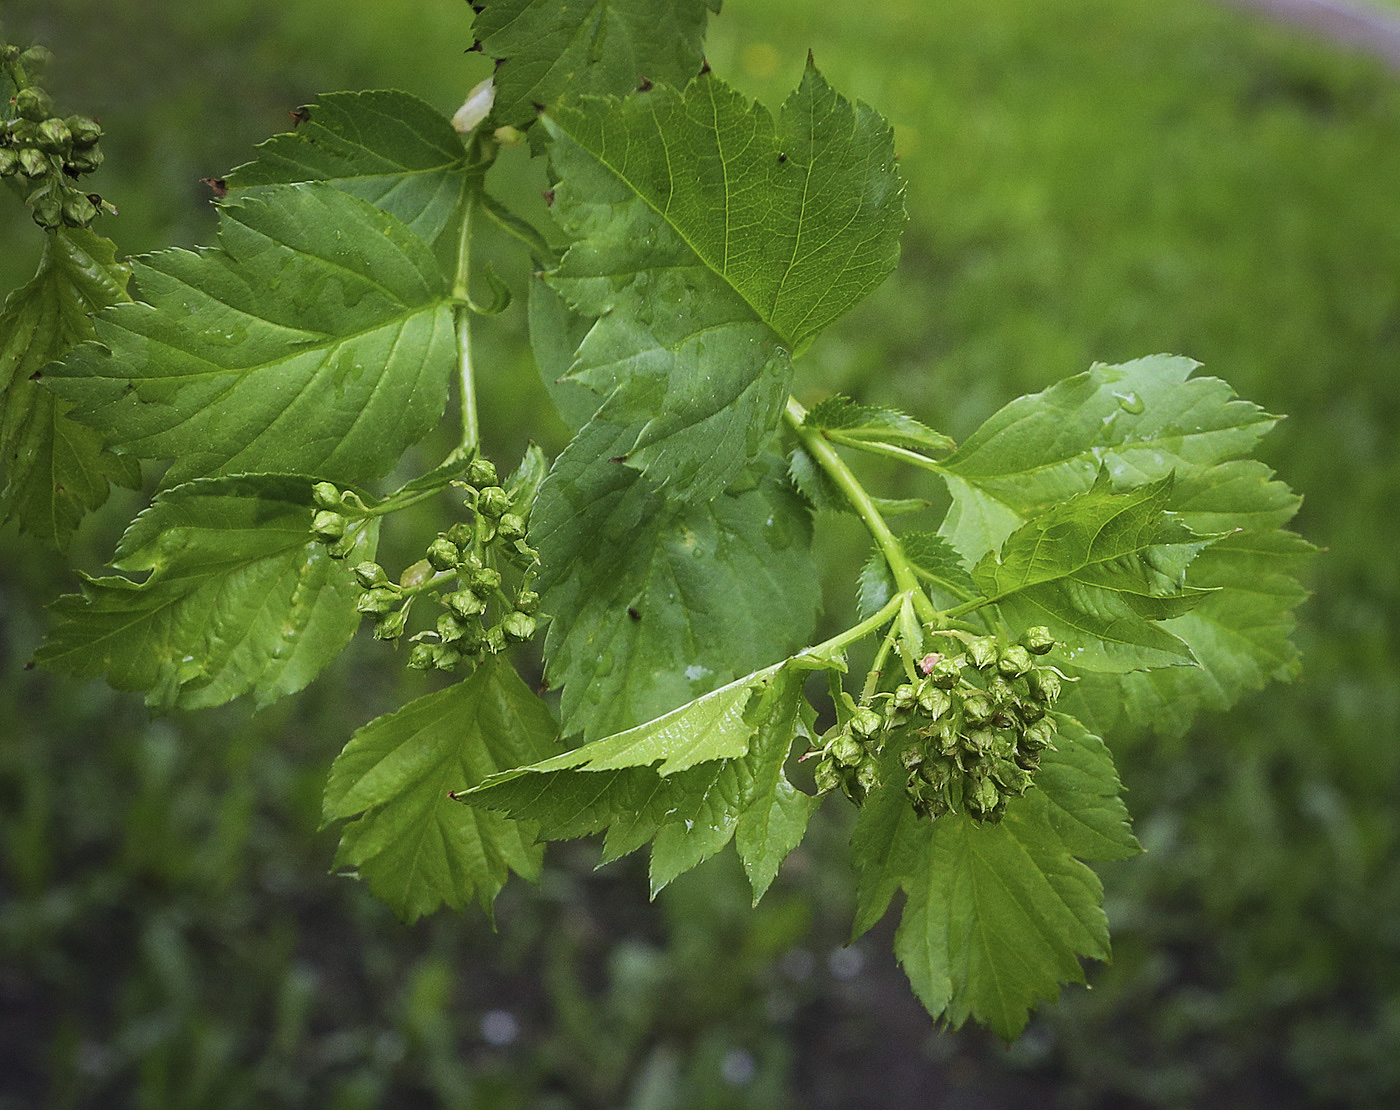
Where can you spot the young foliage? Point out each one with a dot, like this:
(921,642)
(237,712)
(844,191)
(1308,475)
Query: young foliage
(1111,557)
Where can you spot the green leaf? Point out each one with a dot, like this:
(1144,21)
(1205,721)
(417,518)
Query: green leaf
(998,914)
(548,50)
(653,602)
(712,243)
(415,846)
(239,598)
(318,339)
(388,148)
(555,334)
(844,421)
(1100,570)
(933,560)
(886,846)
(691,780)
(1143,421)
(55,469)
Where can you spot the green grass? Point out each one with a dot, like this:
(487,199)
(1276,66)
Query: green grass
(1088,180)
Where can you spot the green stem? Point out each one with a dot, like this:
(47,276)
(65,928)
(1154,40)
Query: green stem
(841,475)
(890,450)
(471,435)
(859,631)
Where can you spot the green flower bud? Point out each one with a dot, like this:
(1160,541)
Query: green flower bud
(8,53)
(527,601)
(518,626)
(865,721)
(370,574)
(495,640)
(983,797)
(78,210)
(1044,685)
(1039,736)
(847,750)
(461,534)
(1038,640)
(1014,661)
(977,709)
(828,778)
(983,652)
(329,526)
(36,58)
(492,502)
(464,603)
(54,137)
(85,131)
(868,774)
(481,472)
(326,495)
(390,626)
(9,162)
(451,628)
(935,702)
(938,773)
(1012,779)
(34,163)
(511,527)
(445,657)
(485,580)
(378,600)
(981,740)
(443,554)
(47,207)
(911,759)
(945,673)
(33,104)
(1001,693)
(905,696)
(1030,711)
(421,657)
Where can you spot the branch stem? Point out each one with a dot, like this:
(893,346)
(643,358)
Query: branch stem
(471,434)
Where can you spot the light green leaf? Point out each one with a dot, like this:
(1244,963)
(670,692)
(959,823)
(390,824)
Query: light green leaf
(318,339)
(691,780)
(1080,796)
(887,846)
(239,598)
(712,243)
(548,50)
(654,603)
(933,560)
(555,334)
(844,421)
(55,469)
(417,848)
(1100,570)
(388,148)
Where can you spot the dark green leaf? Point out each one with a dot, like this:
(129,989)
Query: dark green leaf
(318,339)
(549,50)
(239,598)
(417,847)
(388,148)
(55,469)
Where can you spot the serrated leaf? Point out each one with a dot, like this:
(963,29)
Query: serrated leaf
(844,421)
(388,148)
(317,339)
(556,331)
(886,846)
(1080,796)
(653,602)
(690,780)
(415,846)
(1101,571)
(1142,421)
(713,242)
(547,50)
(56,470)
(239,598)
(933,560)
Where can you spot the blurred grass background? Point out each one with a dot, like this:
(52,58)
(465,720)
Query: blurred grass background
(1088,180)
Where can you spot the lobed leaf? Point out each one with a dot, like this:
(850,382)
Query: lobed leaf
(317,339)
(1101,571)
(415,845)
(388,148)
(239,598)
(56,470)
(997,915)
(549,50)
(692,780)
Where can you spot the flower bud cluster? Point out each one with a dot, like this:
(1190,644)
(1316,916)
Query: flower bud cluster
(968,732)
(46,153)
(481,614)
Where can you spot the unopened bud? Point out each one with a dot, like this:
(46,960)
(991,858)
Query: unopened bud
(518,626)
(443,554)
(482,472)
(983,652)
(492,502)
(865,721)
(390,626)
(329,526)
(85,131)
(33,104)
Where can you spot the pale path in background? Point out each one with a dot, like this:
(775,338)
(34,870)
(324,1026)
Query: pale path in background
(1355,23)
